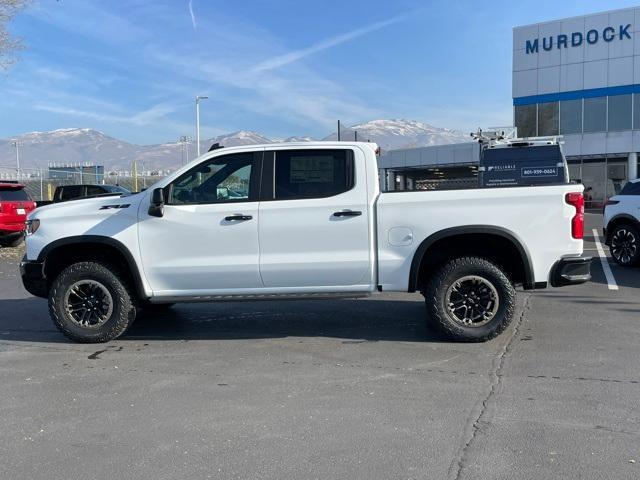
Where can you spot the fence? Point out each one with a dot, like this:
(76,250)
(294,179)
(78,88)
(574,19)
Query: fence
(42,182)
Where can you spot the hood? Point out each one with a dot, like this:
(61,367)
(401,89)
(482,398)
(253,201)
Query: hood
(88,206)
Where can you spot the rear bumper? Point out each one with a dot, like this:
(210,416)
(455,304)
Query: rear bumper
(11,228)
(571,271)
(33,279)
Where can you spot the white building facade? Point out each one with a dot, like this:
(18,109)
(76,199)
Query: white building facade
(580,78)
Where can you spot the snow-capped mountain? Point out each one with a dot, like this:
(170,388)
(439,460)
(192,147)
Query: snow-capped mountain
(300,139)
(80,145)
(395,134)
(243,137)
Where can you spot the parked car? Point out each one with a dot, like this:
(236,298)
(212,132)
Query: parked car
(303,221)
(75,192)
(622,224)
(15,205)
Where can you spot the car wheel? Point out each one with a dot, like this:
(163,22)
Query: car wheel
(470,299)
(12,241)
(91,303)
(625,245)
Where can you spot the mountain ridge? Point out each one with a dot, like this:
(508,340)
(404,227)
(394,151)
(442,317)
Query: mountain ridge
(80,145)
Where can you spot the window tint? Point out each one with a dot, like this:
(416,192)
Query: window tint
(620,107)
(595,114)
(312,173)
(70,192)
(526,120)
(636,111)
(548,118)
(94,190)
(571,116)
(219,180)
(631,188)
(14,195)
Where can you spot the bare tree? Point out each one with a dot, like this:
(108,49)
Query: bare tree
(9,44)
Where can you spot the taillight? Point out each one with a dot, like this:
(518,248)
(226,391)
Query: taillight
(576,199)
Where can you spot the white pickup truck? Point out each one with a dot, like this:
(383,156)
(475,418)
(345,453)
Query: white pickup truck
(302,220)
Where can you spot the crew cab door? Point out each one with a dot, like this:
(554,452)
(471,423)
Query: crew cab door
(314,220)
(207,240)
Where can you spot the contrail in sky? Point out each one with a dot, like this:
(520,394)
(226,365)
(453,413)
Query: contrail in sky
(193,17)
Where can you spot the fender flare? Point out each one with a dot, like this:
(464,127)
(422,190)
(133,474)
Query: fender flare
(99,239)
(529,279)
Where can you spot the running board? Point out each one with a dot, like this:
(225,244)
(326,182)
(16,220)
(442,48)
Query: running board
(258,297)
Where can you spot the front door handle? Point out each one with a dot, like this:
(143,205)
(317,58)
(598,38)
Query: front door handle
(238,217)
(347,213)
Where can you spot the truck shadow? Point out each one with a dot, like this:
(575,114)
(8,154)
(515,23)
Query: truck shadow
(27,320)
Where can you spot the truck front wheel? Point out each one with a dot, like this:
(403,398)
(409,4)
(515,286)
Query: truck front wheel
(470,299)
(91,302)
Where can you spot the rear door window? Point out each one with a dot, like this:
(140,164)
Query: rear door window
(312,173)
(14,195)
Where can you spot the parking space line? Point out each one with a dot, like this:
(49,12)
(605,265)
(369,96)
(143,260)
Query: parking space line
(611,281)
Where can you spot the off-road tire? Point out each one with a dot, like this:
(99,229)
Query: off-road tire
(454,270)
(124,308)
(632,231)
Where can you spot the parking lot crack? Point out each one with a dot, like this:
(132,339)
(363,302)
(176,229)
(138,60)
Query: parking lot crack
(479,413)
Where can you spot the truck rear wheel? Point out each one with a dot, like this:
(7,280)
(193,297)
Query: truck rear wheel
(90,303)
(470,299)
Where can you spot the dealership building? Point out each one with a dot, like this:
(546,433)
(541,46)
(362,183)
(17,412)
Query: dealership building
(577,77)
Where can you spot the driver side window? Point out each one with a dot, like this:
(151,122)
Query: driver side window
(219,180)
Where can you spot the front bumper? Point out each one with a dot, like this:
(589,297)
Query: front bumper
(571,271)
(33,279)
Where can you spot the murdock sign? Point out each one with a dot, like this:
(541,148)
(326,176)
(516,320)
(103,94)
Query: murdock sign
(608,34)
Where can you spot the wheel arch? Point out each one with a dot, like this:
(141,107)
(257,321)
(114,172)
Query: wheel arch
(83,247)
(469,231)
(616,220)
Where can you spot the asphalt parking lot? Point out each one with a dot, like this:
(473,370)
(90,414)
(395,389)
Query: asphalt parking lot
(335,389)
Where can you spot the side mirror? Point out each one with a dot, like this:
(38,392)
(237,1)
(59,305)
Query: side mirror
(156,208)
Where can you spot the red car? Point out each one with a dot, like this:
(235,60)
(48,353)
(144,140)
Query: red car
(15,205)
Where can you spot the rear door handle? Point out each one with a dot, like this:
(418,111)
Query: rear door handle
(347,213)
(238,218)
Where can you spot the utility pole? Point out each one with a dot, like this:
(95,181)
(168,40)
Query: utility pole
(355,135)
(17,144)
(338,130)
(198,98)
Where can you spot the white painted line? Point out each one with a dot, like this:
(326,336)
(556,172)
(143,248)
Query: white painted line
(611,281)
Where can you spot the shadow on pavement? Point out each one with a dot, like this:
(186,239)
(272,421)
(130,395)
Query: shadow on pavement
(358,320)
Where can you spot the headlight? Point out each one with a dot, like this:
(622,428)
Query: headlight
(32,226)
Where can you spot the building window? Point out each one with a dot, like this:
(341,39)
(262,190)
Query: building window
(595,114)
(571,116)
(526,120)
(548,118)
(619,113)
(636,111)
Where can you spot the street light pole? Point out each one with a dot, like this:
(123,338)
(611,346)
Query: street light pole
(17,145)
(198,98)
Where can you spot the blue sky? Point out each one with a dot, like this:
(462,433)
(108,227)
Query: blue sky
(131,68)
